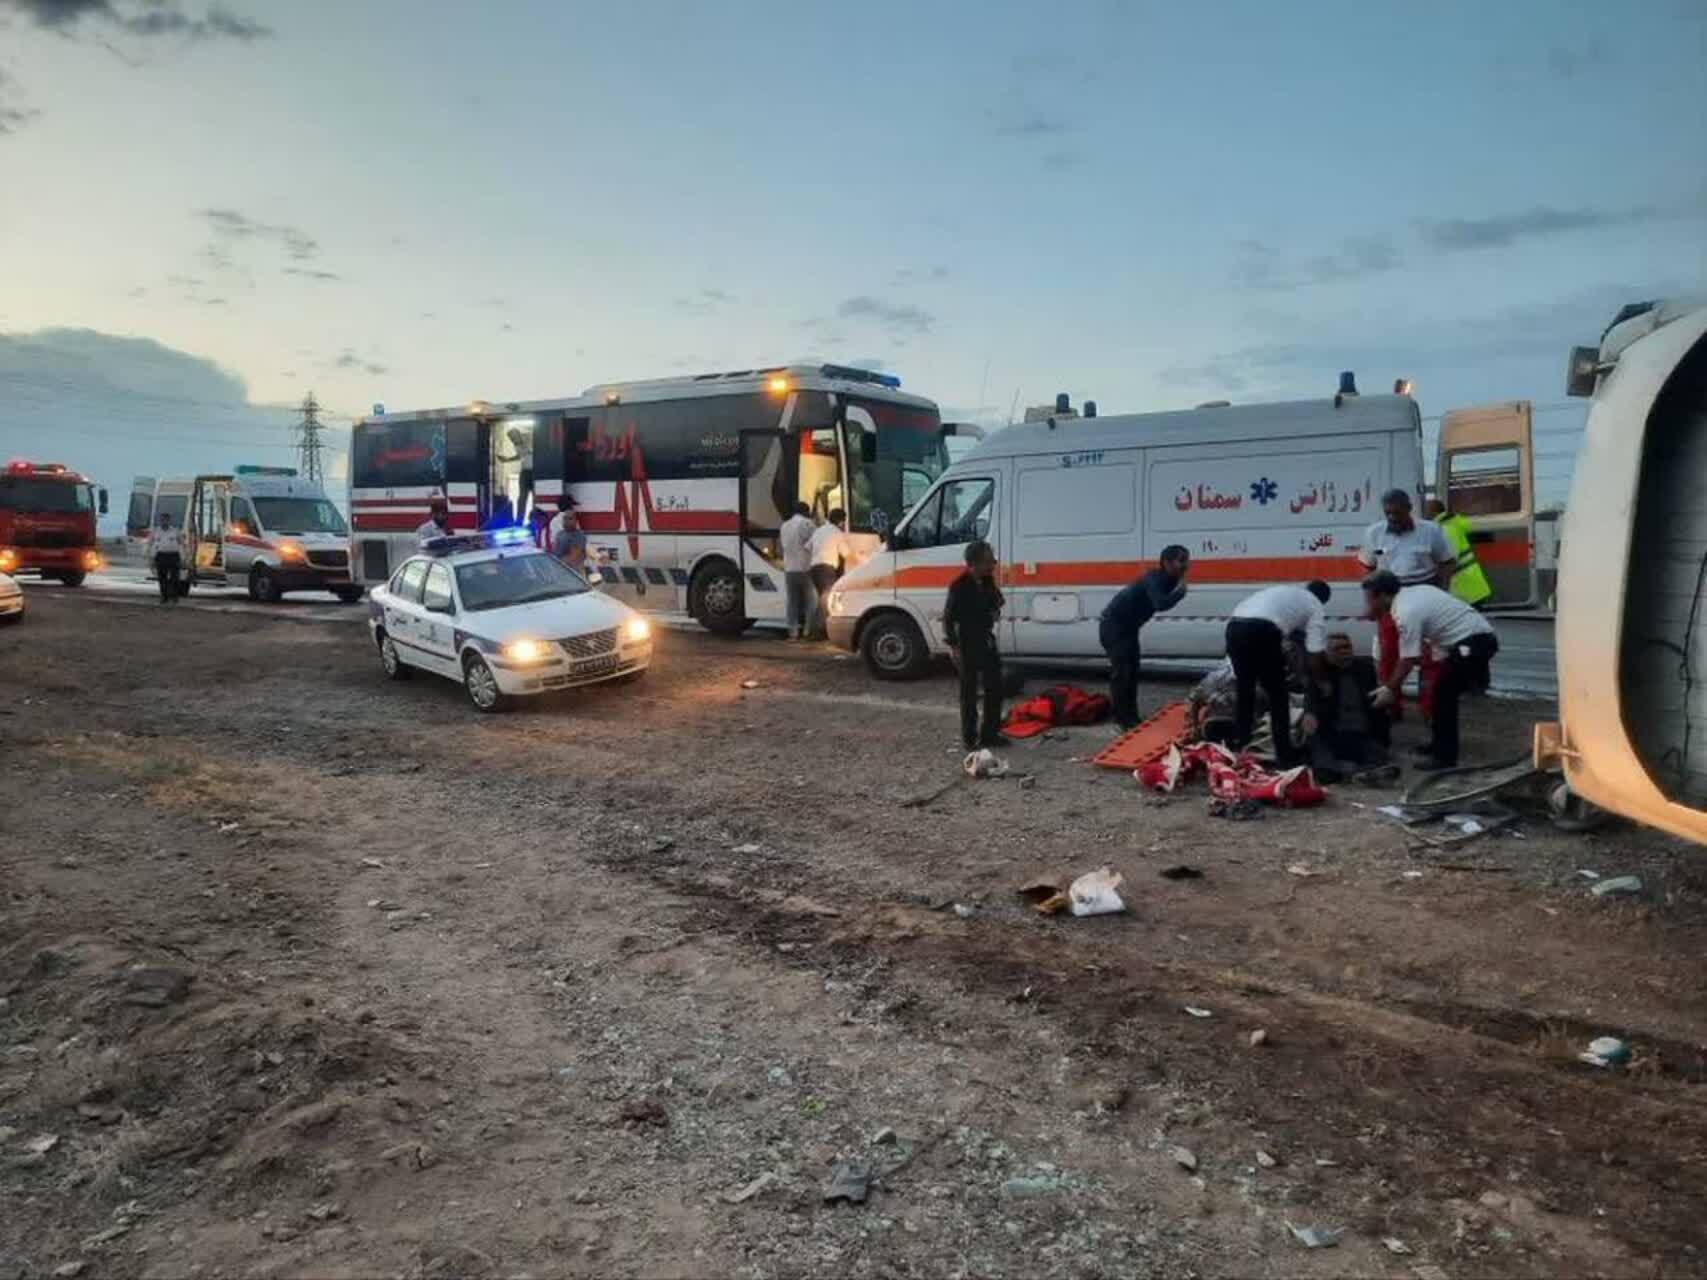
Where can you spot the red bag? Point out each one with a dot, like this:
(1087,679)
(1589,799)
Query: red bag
(1059,704)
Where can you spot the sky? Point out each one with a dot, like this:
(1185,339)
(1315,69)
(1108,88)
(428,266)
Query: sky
(208,210)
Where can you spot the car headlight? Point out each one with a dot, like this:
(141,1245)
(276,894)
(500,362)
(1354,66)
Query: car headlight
(8,557)
(523,651)
(639,629)
(290,551)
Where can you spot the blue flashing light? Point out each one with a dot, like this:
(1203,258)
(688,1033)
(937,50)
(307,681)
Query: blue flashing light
(889,380)
(509,535)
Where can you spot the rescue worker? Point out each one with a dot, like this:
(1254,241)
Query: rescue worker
(166,550)
(1256,637)
(438,521)
(1156,592)
(796,539)
(1469,583)
(969,619)
(830,548)
(1414,551)
(1429,619)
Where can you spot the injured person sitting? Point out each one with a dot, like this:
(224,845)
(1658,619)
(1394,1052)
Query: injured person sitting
(1337,731)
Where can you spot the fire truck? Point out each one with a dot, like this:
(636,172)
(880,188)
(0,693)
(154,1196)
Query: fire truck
(47,521)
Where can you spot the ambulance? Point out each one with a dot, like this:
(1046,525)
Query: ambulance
(1078,507)
(266,529)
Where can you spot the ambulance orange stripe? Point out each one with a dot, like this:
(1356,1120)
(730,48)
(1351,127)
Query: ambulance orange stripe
(1117,573)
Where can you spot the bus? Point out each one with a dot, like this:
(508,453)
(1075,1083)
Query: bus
(681,484)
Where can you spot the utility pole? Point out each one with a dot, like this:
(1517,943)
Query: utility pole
(308,442)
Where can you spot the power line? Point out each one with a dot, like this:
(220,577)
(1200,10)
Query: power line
(308,442)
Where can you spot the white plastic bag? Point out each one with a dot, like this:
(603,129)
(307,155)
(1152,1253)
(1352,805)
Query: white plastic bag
(983,763)
(1096,893)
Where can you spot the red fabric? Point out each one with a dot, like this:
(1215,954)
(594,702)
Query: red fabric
(1233,777)
(1390,660)
(1059,704)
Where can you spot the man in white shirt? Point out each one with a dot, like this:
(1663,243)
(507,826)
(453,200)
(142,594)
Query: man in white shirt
(830,547)
(1414,551)
(1256,636)
(437,524)
(796,539)
(1430,621)
(565,538)
(166,550)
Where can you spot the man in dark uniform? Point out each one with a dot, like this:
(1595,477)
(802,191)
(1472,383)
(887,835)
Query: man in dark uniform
(969,622)
(1158,590)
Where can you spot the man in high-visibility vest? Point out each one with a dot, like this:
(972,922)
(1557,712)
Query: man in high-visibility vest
(1469,583)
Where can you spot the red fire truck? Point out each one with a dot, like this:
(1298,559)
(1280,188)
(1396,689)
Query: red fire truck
(47,521)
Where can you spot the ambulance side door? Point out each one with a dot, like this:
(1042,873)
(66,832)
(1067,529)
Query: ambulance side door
(931,547)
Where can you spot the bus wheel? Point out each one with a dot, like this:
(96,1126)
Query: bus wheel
(715,599)
(72,579)
(894,649)
(263,586)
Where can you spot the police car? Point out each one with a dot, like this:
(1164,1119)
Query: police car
(11,599)
(504,618)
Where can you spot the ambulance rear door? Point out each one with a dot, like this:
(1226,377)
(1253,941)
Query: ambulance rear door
(1486,472)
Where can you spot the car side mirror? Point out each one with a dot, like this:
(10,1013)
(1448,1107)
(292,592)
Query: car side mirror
(101,494)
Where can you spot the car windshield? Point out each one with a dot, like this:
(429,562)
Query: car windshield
(299,515)
(25,493)
(518,579)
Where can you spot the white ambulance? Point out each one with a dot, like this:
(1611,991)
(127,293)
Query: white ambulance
(1077,508)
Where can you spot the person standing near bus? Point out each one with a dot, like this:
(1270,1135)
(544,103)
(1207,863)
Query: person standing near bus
(796,539)
(969,618)
(438,521)
(1156,592)
(565,538)
(166,550)
(1469,583)
(830,549)
(1415,552)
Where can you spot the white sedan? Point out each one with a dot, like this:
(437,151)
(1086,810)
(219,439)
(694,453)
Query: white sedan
(505,620)
(11,599)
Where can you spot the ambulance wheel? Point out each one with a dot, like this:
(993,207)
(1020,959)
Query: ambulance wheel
(263,586)
(482,685)
(894,649)
(347,595)
(72,579)
(715,599)
(391,660)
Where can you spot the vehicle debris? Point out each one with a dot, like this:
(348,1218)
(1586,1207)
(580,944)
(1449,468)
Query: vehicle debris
(1259,1038)
(1605,1051)
(1097,893)
(984,763)
(743,1194)
(1197,1012)
(849,1181)
(1395,1246)
(1266,1161)
(1617,887)
(1184,1157)
(1316,1237)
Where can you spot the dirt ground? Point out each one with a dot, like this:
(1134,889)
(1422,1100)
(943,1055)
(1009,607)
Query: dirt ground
(303,972)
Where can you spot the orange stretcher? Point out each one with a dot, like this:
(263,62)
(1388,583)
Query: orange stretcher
(1149,741)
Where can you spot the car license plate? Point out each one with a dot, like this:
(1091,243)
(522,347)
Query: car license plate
(596,666)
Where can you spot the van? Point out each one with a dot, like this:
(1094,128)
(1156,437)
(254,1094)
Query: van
(1631,627)
(1077,508)
(263,528)
(149,500)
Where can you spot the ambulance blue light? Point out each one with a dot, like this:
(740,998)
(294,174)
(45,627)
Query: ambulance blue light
(510,535)
(889,380)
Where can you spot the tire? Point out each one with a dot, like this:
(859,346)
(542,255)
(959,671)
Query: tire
(263,587)
(482,686)
(390,661)
(73,579)
(893,648)
(348,595)
(716,598)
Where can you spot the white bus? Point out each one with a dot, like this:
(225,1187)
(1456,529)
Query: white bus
(682,484)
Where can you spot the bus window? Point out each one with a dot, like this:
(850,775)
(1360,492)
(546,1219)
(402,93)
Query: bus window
(820,472)
(1484,482)
(895,452)
(399,455)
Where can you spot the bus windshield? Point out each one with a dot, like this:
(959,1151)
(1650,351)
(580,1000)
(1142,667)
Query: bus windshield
(895,452)
(511,580)
(299,515)
(27,493)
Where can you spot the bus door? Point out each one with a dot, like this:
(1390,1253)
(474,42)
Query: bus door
(1485,471)
(766,499)
(210,504)
(512,476)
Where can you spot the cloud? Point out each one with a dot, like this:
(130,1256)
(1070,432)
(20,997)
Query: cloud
(1452,235)
(145,19)
(704,300)
(349,360)
(309,274)
(231,226)
(12,118)
(897,317)
(1258,265)
(1033,124)
(1061,161)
